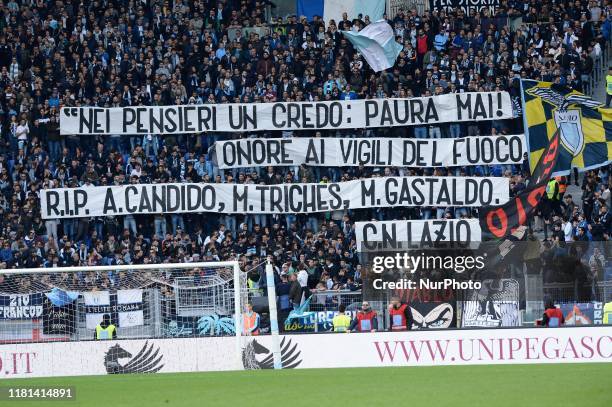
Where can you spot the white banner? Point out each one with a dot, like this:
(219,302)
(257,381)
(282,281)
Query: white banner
(495,304)
(376,152)
(415,233)
(274,199)
(124,307)
(97,304)
(415,348)
(232,117)
(489,314)
(129,308)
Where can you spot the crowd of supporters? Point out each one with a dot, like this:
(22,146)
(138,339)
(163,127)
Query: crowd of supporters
(112,53)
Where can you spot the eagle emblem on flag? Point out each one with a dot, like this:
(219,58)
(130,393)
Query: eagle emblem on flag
(561,101)
(567,115)
(584,126)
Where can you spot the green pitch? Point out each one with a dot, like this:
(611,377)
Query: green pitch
(559,385)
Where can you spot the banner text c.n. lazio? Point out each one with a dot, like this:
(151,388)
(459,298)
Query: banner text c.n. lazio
(273,199)
(232,117)
(415,234)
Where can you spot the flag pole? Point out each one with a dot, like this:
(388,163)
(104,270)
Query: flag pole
(276,353)
(525,125)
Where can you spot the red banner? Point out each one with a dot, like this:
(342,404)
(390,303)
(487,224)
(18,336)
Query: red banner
(501,221)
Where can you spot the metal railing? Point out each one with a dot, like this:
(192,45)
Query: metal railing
(331,300)
(394,6)
(579,292)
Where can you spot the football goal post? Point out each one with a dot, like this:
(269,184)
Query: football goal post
(142,301)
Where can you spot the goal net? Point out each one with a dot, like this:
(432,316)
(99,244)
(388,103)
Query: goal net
(142,301)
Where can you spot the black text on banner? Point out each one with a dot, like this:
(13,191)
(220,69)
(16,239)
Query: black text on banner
(377,152)
(232,117)
(394,234)
(274,199)
(467,6)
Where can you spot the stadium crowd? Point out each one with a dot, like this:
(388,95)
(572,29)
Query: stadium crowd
(111,53)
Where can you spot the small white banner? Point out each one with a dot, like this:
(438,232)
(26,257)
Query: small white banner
(130,311)
(97,303)
(415,233)
(124,307)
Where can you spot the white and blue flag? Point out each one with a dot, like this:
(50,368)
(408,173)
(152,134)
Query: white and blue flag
(376,42)
(333,9)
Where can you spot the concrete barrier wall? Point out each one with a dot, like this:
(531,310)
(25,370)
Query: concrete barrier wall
(416,348)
